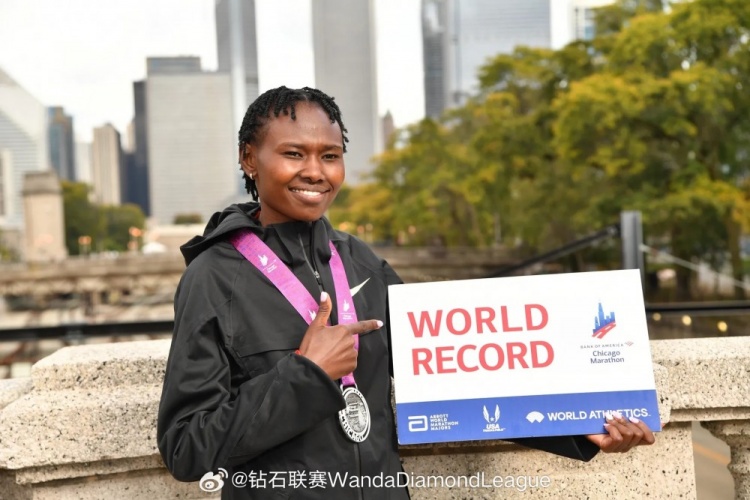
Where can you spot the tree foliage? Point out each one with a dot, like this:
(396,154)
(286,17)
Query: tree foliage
(192,218)
(107,226)
(653,114)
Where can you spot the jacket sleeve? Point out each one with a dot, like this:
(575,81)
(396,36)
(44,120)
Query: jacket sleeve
(391,278)
(576,447)
(206,422)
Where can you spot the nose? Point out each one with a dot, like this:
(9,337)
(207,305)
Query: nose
(312,170)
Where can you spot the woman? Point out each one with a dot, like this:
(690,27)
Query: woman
(274,382)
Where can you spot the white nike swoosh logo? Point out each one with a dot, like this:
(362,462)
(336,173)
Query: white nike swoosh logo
(358,287)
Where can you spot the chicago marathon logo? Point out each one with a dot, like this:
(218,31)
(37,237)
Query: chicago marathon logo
(603,324)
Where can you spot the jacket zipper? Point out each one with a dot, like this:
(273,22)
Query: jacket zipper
(307,259)
(311,264)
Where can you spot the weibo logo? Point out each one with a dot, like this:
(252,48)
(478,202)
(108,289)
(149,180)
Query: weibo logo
(603,324)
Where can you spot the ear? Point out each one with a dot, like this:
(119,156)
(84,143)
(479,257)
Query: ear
(247,159)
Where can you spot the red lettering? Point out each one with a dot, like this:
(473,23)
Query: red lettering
(460,359)
(535,345)
(483,357)
(506,327)
(443,358)
(449,321)
(529,317)
(424,317)
(424,362)
(485,316)
(516,356)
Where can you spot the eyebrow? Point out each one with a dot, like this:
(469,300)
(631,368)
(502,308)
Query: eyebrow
(302,146)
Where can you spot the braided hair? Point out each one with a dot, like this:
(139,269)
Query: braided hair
(277,101)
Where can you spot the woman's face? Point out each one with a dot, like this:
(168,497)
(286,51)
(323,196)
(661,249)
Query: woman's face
(298,165)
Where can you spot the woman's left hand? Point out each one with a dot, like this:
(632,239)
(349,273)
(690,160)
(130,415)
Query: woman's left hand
(622,434)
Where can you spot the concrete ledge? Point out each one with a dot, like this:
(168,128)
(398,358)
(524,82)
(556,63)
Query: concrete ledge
(79,426)
(84,427)
(102,366)
(706,373)
(12,389)
(662,471)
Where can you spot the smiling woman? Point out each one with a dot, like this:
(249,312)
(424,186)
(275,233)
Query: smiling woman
(272,371)
(272,375)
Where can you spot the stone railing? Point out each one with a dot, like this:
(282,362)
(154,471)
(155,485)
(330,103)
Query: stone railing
(83,427)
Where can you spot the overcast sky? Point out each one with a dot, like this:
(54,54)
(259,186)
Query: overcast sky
(85,54)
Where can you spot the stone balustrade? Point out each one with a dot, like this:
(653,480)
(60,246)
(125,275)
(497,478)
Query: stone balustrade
(84,427)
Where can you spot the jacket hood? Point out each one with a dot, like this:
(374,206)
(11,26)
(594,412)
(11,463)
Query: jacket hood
(239,215)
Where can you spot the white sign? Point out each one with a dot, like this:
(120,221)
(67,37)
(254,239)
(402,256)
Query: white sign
(520,357)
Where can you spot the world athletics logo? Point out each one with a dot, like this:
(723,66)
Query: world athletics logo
(603,324)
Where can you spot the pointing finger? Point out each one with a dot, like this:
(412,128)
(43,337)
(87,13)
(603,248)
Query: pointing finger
(364,327)
(324,311)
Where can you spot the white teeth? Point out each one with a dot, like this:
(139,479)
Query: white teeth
(307,193)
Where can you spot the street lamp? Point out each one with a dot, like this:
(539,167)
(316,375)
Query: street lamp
(84,245)
(135,233)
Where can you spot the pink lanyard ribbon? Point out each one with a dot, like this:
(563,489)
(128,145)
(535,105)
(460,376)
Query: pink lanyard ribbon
(267,262)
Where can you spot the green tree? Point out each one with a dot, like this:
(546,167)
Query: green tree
(666,121)
(108,227)
(119,222)
(194,218)
(651,115)
(82,218)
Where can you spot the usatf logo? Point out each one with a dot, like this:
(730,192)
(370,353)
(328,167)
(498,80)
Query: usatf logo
(492,421)
(263,260)
(603,324)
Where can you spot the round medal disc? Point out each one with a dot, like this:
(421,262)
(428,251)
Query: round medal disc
(355,417)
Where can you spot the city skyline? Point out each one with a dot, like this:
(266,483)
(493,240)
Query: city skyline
(95,69)
(89,68)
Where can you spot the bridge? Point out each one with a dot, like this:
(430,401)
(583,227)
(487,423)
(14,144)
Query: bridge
(139,274)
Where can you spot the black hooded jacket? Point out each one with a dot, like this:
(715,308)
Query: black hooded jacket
(236,397)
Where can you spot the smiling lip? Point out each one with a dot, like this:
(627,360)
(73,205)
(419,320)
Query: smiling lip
(308,193)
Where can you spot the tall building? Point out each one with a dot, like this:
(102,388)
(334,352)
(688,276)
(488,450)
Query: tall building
(583,18)
(83,162)
(192,149)
(23,147)
(137,172)
(459,36)
(106,165)
(237,50)
(345,67)
(173,65)
(62,153)
(389,127)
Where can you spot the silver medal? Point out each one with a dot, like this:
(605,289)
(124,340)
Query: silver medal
(355,417)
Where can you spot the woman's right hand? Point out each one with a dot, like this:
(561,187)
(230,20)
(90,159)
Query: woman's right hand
(332,347)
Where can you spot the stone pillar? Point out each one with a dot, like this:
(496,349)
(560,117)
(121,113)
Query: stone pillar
(43,218)
(736,433)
